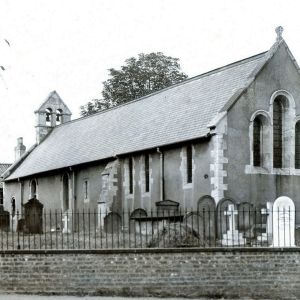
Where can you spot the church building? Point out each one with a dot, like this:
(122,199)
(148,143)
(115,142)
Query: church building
(229,135)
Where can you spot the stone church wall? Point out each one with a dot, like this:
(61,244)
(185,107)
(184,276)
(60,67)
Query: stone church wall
(140,198)
(246,183)
(48,192)
(12,190)
(176,187)
(93,176)
(86,186)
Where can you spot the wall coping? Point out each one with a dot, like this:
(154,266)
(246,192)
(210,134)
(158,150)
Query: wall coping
(151,250)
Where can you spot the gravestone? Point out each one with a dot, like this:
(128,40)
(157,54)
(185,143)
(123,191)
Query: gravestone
(245,218)
(232,237)
(33,210)
(139,222)
(267,235)
(167,208)
(67,222)
(283,222)
(206,221)
(222,219)
(138,213)
(112,223)
(102,212)
(4,218)
(14,223)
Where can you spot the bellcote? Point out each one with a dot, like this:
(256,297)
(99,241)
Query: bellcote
(52,112)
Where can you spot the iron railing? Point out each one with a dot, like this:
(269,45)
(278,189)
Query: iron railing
(140,229)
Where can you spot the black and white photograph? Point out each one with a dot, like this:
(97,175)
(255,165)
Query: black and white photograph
(150,149)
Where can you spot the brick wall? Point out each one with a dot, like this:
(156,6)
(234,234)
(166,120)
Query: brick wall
(257,273)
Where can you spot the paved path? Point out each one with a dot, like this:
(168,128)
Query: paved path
(31,297)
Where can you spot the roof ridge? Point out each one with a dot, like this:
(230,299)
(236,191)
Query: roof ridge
(268,56)
(213,71)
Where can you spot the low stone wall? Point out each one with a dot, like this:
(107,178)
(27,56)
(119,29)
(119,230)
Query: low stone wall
(229,273)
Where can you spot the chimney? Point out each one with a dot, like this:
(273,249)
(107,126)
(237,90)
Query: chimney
(20,148)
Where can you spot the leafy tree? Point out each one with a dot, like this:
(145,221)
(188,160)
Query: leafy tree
(138,77)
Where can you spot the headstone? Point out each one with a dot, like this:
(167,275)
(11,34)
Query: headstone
(4,218)
(222,222)
(283,222)
(102,211)
(138,213)
(232,237)
(112,223)
(245,218)
(267,235)
(33,216)
(67,222)
(206,221)
(139,222)
(167,207)
(21,224)
(14,223)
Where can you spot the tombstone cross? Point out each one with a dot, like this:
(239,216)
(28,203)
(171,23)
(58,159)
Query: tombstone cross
(265,236)
(66,223)
(231,213)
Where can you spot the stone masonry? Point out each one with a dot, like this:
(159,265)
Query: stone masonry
(228,273)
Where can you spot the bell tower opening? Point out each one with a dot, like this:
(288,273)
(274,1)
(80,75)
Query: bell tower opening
(48,116)
(59,114)
(52,112)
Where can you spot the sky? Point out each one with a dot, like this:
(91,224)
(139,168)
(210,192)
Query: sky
(68,46)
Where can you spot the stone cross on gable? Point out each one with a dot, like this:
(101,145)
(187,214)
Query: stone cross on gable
(279,31)
(231,213)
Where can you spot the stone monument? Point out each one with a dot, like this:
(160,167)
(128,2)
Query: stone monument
(267,236)
(67,222)
(232,237)
(283,222)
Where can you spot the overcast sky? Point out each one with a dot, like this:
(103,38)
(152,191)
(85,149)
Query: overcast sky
(68,46)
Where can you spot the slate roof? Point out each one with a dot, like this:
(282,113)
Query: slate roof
(3,168)
(178,113)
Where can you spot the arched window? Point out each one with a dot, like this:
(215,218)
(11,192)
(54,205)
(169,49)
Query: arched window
(130,166)
(147,173)
(58,116)
(278,110)
(297,145)
(48,116)
(33,189)
(284,111)
(189,164)
(65,181)
(257,142)
(260,139)
(13,206)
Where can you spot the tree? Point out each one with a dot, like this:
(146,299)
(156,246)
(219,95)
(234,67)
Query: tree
(137,78)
